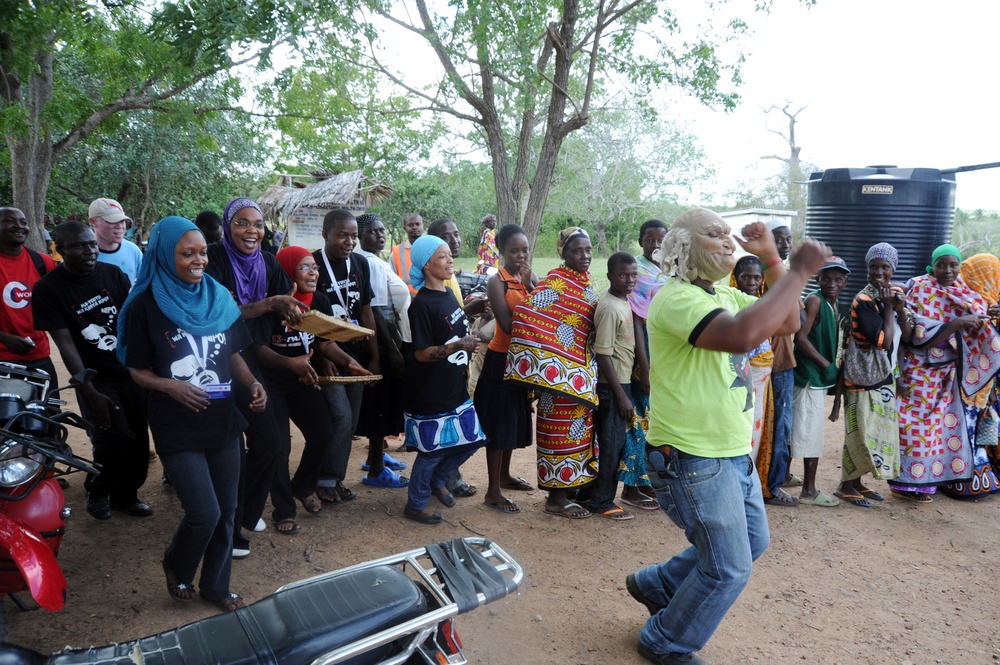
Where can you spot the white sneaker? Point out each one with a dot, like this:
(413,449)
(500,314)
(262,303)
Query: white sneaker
(241,552)
(261,525)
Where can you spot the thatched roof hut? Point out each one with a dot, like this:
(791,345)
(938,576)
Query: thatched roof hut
(329,192)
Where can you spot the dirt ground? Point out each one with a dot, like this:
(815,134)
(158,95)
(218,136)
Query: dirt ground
(899,583)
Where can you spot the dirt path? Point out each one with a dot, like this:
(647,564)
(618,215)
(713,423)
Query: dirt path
(900,583)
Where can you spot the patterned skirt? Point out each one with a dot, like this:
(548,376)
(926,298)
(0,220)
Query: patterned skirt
(871,434)
(564,434)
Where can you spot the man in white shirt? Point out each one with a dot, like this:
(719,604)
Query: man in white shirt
(109,221)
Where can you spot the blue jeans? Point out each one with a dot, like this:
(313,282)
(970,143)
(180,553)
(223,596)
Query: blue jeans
(610,428)
(782,384)
(205,482)
(433,472)
(718,503)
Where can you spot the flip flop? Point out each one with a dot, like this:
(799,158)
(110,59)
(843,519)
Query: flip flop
(821,499)
(641,504)
(915,497)
(293,530)
(869,493)
(344,492)
(518,485)
(506,506)
(388,478)
(853,499)
(617,514)
(562,511)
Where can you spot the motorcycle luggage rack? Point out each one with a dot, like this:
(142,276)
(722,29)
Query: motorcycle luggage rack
(468,555)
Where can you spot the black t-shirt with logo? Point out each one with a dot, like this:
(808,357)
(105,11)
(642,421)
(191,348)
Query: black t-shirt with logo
(349,290)
(434,388)
(290,343)
(87,306)
(158,344)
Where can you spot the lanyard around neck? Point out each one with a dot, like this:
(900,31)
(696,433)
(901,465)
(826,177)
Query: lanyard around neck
(342,299)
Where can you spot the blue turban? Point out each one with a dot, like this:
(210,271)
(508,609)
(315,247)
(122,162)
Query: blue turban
(884,251)
(206,308)
(420,253)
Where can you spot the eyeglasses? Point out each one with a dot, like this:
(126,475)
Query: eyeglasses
(305,268)
(247,225)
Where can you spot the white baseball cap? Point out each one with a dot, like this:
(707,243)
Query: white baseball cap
(109,210)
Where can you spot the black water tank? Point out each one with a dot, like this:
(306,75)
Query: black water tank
(852,209)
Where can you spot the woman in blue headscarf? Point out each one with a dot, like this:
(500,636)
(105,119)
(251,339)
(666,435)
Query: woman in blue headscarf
(440,420)
(180,335)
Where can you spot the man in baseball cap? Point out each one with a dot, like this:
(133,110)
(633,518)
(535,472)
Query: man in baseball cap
(109,221)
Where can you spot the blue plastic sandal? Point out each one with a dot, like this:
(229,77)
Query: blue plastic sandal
(388,478)
(389,462)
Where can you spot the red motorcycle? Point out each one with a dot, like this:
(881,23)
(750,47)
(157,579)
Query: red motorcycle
(34,455)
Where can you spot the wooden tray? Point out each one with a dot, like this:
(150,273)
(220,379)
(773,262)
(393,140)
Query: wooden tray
(328,327)
(333,380)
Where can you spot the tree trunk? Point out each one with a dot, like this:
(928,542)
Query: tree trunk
(31,152)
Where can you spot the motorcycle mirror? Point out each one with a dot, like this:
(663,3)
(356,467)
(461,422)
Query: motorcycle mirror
(77,380)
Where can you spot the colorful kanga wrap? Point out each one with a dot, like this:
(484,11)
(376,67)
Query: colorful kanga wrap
(552,338)
(552,351)
(871,434)
(632,469)
(564,436)
(489,256)
(982,427)
(647,282)
(762,443)
(934,433)
(444,433)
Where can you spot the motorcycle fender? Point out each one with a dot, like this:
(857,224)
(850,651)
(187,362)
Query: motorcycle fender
(37,563)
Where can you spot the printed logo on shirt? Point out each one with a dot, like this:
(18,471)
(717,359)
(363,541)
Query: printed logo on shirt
(460,358)
(102,316)
(195,371)
(16,295)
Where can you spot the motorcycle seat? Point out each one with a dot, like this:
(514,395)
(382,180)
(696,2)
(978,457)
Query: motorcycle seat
(292,626)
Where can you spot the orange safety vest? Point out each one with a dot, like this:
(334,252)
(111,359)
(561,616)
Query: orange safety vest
(401,262)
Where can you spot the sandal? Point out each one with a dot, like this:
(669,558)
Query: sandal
(822,499)
(444,496)
(518,485)
(182,593)
(311,504)
(567,511)
(781,498)
(388,478)
(506,506)
(617,514)
(853,499)
(915,497)
(292,529)
(869,493)
(464,491)
(328,495)
(230,603)
(644,503)
(389,462)
(344,492)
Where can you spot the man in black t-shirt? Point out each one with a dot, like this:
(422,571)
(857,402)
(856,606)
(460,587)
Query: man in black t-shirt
(346,280)
(78,304)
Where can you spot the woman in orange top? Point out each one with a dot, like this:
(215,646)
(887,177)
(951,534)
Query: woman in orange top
(504,414)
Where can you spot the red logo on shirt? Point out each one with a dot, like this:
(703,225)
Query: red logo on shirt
(16,295)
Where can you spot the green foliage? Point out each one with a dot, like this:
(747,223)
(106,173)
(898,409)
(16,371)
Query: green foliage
(977,231)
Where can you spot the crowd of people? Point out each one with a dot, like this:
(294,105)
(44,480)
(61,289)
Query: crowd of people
(689,394)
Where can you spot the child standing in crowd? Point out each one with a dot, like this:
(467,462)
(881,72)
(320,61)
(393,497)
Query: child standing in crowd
(816,356)
(441,422)
(614,345)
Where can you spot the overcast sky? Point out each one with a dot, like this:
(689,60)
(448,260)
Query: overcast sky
(905,82)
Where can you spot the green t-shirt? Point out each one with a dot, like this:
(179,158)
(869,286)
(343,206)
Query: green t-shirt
(614,336)
(701,401)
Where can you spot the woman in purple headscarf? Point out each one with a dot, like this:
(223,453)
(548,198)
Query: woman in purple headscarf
(259,285)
